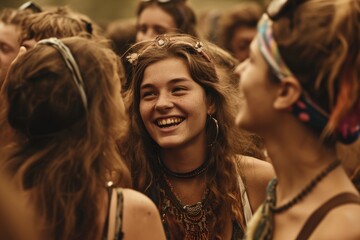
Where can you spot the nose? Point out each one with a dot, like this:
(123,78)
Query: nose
(240,68)
(145,36)
(164,103)
(150,34)
(28,44)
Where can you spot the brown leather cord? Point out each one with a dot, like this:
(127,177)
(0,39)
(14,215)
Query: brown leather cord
(317,216)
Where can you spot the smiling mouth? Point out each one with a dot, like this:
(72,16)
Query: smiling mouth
(169,122)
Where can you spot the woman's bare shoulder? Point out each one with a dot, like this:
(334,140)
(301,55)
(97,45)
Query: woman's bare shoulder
(257,174)
(141,219)
(256,170)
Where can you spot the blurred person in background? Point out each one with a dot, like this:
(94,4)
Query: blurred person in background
(11,22)
(59,22)
(122,34)
(237,27)
(10,37)
(156,17)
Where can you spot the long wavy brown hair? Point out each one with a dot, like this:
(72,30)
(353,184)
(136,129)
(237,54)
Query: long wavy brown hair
(224,165)
(64,156)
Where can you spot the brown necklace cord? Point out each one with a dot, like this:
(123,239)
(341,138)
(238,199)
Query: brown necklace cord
(306,190)
(193,173)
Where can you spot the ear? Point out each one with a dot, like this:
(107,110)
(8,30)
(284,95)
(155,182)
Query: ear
(288,93)
(211,109)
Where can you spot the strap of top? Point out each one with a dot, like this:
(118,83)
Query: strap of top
(245,201)
(119,234)
(106,224)
(315,218)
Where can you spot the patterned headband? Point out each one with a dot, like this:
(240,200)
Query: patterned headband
(305,108)
(162,41)
(71,64)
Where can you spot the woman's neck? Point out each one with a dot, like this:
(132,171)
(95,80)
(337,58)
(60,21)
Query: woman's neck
(297,160)
(183,160)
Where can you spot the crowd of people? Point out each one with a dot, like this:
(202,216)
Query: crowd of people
(242,124)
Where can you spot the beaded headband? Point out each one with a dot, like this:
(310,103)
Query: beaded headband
(162,41)
(305,108)
(71,65)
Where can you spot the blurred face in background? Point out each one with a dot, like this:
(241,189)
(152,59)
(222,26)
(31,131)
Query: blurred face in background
(9,46)
(240,42)
(153,21)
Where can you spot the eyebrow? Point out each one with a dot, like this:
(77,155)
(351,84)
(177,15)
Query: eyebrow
(171,82)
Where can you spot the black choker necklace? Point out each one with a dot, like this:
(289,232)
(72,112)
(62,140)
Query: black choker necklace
(305,191)
(194,173)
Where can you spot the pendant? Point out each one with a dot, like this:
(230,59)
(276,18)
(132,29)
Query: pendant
(194,220)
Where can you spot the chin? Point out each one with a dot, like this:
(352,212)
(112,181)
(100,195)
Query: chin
(169,145)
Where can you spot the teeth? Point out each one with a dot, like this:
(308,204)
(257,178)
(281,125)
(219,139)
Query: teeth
(169,121)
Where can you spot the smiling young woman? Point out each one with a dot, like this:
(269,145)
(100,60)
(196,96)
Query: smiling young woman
(185,147)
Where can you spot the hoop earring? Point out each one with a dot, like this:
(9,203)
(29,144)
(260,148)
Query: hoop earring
(217,130)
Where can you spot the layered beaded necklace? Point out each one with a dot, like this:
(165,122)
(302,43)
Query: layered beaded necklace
(193,218)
